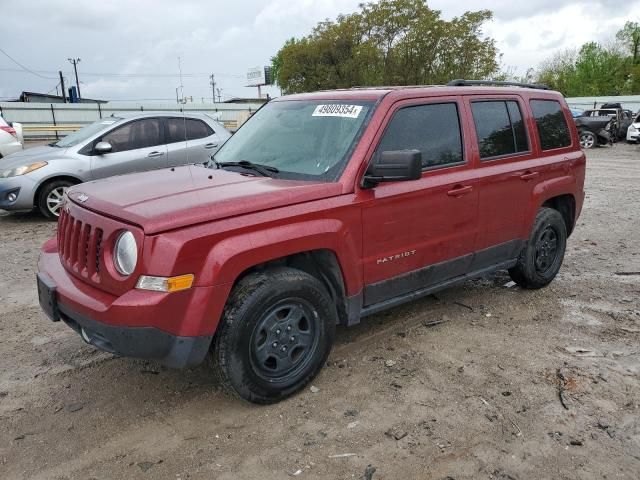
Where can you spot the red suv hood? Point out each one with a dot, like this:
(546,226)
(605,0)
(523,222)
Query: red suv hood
(162,200)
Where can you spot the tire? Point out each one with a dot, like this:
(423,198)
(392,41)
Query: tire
(588,139)
(49,194)
(275,335)
(541,259)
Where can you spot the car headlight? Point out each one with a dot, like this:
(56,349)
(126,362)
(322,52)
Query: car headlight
(22,170)
(126,253)
(633,129)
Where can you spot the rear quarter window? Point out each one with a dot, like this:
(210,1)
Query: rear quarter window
(553,131)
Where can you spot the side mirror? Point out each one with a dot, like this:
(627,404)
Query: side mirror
(102,147)
(394,166)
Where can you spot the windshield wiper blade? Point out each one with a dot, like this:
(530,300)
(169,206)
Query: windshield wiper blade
(264,170)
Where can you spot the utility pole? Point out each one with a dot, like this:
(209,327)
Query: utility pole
(213,87)
(219,95)
(64,94)
(75,62)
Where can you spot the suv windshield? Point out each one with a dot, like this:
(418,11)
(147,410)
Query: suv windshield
(304,140)
(84,133)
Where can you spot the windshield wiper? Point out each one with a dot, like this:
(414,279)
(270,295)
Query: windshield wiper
(54,144)
(264,170)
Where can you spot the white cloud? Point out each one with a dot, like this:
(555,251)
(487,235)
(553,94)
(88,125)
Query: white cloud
(147,36)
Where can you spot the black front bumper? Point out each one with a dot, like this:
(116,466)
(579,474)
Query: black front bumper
(139,342)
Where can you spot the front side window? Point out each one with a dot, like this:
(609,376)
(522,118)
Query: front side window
(181,129)
(197,129)
(85,133)
(500,128)
(303,139)
(433,129)
(134,135)
(553,130)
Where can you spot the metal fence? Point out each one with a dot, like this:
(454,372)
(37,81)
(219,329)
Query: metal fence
(54,120)
(630,102)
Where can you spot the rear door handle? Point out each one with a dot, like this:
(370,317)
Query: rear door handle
(526,176)
(460,190)
(155,154)
(211,145)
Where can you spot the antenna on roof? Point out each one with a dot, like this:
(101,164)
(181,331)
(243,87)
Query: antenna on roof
(184,117)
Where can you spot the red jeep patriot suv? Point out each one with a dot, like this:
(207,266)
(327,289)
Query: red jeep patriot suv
(323,208)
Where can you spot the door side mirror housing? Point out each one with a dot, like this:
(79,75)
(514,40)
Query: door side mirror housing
(394,166)
(102,147)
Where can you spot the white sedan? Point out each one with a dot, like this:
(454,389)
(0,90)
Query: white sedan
(633,132)
(10,138)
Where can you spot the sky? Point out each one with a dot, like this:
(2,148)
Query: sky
(129,49)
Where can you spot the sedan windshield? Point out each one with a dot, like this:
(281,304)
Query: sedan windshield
(303,140)
(85,133)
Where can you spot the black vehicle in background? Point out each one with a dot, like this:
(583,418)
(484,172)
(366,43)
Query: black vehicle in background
(604,125)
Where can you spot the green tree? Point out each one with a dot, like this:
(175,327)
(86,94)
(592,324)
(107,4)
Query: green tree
(597,69)
(390,42)
(630,37)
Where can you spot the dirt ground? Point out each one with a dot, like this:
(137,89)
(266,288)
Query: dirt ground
(512,384)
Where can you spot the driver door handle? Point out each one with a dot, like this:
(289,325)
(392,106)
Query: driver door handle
(155,154)
(460,190)
(211,145)
(529,175)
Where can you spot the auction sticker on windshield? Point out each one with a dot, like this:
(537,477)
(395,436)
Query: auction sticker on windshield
(338,110)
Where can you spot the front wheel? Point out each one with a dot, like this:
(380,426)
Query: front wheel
(50,198)
(588,139)
(275,335)
(541,259)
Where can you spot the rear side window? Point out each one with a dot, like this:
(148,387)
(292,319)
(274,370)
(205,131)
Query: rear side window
(500,128)
(433,129)
(553,130)
(181,129)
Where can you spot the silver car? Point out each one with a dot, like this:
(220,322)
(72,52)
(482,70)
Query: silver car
(123,143)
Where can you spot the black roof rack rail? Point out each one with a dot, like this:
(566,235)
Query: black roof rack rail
(469,83)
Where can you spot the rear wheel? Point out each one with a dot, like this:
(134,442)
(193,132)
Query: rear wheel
(50,198)
(275,335)
(540,261)
(588,139)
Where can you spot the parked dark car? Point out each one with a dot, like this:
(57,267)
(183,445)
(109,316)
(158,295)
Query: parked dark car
(623,119)
(596,131)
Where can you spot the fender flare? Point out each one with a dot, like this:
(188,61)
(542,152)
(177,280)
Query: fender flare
(542,192)
(229,258)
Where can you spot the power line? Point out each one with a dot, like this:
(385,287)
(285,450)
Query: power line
(23,67)
(126,75)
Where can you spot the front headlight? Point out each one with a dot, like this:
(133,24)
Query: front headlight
(126,253)
(633,129)
(23,170)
